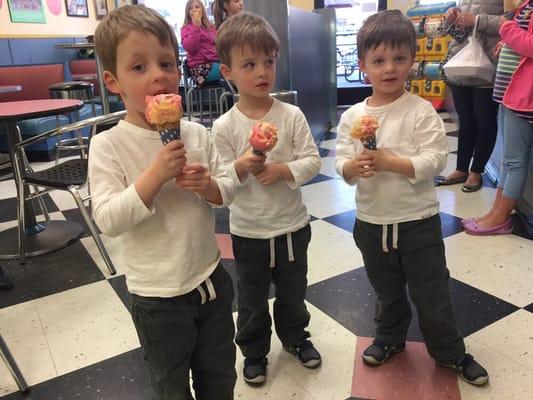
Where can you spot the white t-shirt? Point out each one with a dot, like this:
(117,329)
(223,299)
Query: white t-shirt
(409,127)
(170,248)
(266,211)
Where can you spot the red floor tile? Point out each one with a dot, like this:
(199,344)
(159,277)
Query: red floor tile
(412,374)
(224,244)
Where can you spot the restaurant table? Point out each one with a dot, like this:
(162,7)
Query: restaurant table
(41,237)
(10,89)
(99,70)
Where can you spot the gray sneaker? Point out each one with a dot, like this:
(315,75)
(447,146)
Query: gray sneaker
(254,371)
(306,353)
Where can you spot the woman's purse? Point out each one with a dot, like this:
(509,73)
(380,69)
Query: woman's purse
(470,62)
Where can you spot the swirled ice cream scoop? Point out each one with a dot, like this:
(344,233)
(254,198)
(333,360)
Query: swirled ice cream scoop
(164,111)
(263,137)
(365,130)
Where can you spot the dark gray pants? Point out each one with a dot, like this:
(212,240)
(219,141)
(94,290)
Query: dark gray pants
(179,335)
(419,262)
(254,275)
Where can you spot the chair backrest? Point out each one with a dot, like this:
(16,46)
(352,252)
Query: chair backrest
(34,79)
(82,69)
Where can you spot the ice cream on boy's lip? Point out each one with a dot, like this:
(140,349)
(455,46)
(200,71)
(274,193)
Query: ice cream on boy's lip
(164,111)
(365,130)
(263,137)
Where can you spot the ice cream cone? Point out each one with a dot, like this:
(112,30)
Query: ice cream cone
(263,137)
(164,111)
(365,130)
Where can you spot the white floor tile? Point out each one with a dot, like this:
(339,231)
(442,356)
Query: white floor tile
(85,325)
(329,144)
(328,167)
(113,247)
(8,189)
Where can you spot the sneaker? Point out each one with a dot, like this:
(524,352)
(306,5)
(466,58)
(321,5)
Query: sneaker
(5,282)
(379,352)
(306,353)
(255,370)
(468,369)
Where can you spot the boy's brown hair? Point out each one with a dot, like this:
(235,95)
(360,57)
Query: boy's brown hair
(390,28)
(121,21)
(245,29)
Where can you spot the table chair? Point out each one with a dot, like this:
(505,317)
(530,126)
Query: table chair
(68,175)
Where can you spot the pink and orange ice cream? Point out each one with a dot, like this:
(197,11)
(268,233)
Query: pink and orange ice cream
(263,137)
(164,111)
(365,130)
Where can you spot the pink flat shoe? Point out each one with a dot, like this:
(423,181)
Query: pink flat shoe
(467,221)
(474,229)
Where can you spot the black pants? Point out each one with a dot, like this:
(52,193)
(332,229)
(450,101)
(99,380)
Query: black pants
(418,263)
(254,276)
(477,126)
(180,335)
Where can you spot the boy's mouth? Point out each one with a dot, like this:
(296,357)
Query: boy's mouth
(262,85)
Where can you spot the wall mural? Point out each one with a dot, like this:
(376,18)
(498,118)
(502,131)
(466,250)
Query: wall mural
(27,11)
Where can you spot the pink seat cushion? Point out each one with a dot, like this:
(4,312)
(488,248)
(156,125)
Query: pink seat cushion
(82,69)
(34,79)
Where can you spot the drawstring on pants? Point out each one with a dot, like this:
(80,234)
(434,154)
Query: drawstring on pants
(290,250)
(384,235)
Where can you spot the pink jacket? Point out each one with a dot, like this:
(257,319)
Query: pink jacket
(199,44)
(519,93)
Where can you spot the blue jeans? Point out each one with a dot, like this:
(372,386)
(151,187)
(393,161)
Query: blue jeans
(517,153)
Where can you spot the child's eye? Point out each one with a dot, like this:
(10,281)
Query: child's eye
(138,67)
(377,61)
(249,65)
(401,59)
(167,65)
(270,61)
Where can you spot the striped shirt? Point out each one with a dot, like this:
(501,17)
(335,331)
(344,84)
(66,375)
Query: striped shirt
(508,63)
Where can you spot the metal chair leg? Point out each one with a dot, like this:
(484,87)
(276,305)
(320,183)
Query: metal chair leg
(92,229)
(21,215)
(12,366)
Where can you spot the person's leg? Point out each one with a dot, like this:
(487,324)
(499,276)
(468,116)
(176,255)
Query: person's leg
(290,278)
(518,145)
(254,275)
(422,255)
(463,100)
(385,273)
(167,333)
(213,359)
(485,114)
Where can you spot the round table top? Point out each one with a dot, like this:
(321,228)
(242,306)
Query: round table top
(18,110)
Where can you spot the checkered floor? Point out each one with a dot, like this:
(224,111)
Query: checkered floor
(67,321)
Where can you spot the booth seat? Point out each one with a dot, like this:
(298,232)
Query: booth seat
(35,80)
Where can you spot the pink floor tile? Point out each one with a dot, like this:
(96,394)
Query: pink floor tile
(224,244)
(412,374)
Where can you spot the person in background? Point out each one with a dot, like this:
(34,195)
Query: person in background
(514,91)
(473,101)
(223,9)
(398,228)
(5,282)
(198,37)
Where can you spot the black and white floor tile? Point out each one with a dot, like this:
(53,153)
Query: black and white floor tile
(68,325)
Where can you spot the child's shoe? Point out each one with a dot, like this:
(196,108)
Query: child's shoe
(468,369)
(379,352)
(255,369)
(306,353)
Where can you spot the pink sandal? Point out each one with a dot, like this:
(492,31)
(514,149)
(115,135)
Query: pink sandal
(473,228)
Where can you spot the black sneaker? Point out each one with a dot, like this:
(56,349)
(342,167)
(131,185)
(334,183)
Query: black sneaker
(468,369)
(306,354)
(255,370)
(5,282)
(379,352)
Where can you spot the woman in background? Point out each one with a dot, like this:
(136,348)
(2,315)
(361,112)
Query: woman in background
(473,101)
(223,9)
(198,37)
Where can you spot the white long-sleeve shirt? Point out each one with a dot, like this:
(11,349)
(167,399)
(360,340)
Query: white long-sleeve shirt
(409,127)
(266,211)
(170,248)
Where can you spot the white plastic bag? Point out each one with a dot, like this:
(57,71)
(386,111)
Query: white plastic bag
(470,62)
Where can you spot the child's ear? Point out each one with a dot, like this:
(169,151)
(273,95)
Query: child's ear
(226,72)
(111,82)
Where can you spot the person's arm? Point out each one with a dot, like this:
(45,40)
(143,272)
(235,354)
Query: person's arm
(346,150)
(430,139)
(489,24)
(191,37)
(517,38)
(116,207)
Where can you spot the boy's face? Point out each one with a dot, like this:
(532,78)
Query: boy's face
(254,73)
(144,67)
(233,7)
(387,69)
